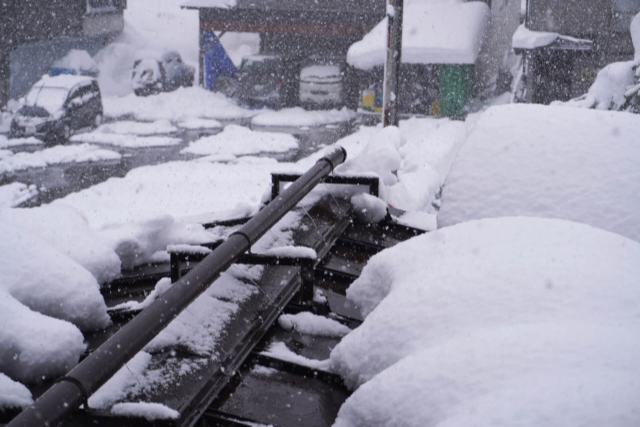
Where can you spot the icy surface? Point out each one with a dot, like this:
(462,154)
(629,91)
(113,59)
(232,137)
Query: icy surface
(543,161)
(298,117)
(506,321)
(237,140)
(182,104)
(13,394)
(150,411)
(56,155)
(434,32)
(16,193)
(312,324)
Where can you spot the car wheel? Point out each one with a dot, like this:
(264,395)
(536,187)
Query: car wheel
(97,121)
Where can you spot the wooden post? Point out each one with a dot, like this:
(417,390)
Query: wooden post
(392,65)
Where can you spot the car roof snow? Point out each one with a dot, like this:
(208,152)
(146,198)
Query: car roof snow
(64,81)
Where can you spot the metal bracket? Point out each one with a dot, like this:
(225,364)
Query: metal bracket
(371,181)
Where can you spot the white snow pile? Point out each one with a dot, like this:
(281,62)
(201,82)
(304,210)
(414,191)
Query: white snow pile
(608,90)
(237,140)
(126,127)
(45,297)
(67,231)
(497,322)
(182,104)
(79,61)
(116,388)
(151,411)
(198,124)
(556,162)
(411,161)
(299,117)
(13,394)
(182,189)
(434,32)
(16,193)
(126,141)
(368,208)
(312,324)
(56,155)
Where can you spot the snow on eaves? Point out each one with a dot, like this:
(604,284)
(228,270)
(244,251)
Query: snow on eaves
(434,32)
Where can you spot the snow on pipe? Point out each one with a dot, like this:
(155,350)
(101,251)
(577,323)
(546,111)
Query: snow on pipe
(75,388)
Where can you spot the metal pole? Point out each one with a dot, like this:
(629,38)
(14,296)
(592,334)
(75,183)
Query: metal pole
(392,66)
(83,380)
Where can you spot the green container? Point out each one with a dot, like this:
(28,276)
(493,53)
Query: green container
(456,83)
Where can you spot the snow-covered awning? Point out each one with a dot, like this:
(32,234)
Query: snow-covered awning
(434,32)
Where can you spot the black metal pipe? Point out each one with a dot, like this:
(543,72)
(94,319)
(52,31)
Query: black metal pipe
(84,379)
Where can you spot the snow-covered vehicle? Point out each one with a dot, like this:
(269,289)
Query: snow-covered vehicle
(322,82)
(57,106)
(151,75)
(268,80)
(564,44)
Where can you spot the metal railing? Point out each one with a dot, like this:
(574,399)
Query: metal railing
(81,382)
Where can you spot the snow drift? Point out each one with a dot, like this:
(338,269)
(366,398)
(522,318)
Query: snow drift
(580,165)
(506,321)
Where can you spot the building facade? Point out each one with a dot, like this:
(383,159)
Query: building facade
(35,33)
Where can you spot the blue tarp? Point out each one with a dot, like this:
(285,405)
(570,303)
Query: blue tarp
(216,61)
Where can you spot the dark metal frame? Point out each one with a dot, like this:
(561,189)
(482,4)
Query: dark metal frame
(65,396)
(371,181)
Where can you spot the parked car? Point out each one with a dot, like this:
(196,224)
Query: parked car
(322,82)
(268,81)
(151,75)
(57,106)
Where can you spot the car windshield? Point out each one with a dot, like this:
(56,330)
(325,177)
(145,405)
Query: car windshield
(49,98)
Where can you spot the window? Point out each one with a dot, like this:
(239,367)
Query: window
(102,6)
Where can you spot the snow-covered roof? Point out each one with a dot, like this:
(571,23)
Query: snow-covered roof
(434,32)
(64,81)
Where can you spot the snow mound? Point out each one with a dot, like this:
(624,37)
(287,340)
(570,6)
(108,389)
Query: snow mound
(368,208)
(123,140)
(182,104)
(530,160)
(608,90)
(48,281)
(16,193)
(18,142)
(35,346)
(506,321)
(299,117)
(179,189)
(64,229)
(313,324)
(13,394)
(237,140)
(127,127)
(434,32)
(79,61)
(150,411)
(56,155)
